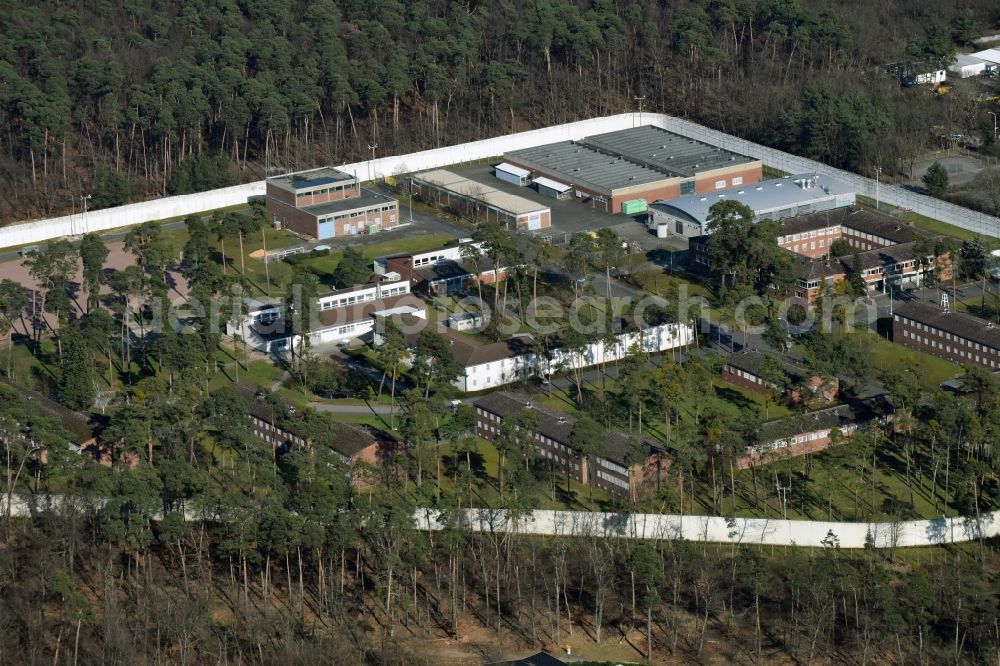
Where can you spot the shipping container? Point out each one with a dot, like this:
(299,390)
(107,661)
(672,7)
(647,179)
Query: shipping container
(634,206)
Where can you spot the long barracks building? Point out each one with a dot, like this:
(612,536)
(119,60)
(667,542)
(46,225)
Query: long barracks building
(956,336)
(634,474)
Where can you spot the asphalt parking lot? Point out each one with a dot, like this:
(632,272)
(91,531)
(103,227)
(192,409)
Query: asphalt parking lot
(568,216)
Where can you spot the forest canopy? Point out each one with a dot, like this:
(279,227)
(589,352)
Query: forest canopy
(138,88)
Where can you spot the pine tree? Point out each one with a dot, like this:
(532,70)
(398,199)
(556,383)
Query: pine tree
(76,384)
(936,180)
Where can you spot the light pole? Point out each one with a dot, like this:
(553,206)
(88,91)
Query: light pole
(640,100)
(878,173)
(783,493)
(371,164)
(84,198)
(993,113)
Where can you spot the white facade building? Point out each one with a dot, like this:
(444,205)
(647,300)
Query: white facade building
(393,285)
(491,365)
(967,65)
(429,258)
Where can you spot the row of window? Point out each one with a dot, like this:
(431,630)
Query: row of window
(621,483)
(613,466)
(325,190)
(343,301)
(812,246)
(433,259)
(361,212)
(749,376)
(943,334)
(362,297)
(948,349)
(805,235)
(263,428)
(545,451)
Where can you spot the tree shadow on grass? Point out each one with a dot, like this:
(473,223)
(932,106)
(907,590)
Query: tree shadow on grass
(734,397)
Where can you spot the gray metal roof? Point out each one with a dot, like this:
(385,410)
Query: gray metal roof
(665,151)
(578,164)
(312,178)
(765,197)
(367,198)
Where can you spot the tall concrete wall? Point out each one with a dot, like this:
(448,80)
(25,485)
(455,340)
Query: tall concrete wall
(647,526)
(123,216)
(722,530)
(158,209)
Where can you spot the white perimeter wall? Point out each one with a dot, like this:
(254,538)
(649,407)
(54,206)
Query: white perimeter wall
(722,530)
(33,232)
(123,216)
(631,526)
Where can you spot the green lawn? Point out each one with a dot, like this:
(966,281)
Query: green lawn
(836,484)
(985,308)
(924,222)
(729,399)
(885,355)
(323,266)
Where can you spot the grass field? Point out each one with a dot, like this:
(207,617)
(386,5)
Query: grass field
(924,222)
(323,266)
(885,355)
(838,485)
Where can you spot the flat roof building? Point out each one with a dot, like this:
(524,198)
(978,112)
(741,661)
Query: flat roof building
(646,162)
(665,151)
(775,199)
(514,212)
(327,203)
(967,65)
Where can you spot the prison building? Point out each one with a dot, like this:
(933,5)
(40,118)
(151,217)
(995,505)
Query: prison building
(939,331)
(811,235)
(774,199)
(607,170)
(815,431)
(514,212)
(614,471)
(326,203)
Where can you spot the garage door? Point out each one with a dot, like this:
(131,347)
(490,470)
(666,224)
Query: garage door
(534,222)
(326,229)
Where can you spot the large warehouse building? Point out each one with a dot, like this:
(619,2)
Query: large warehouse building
(514,212)
(775,199)
(327,203)
(646,162)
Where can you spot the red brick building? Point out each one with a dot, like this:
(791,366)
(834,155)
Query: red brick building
(361,449)
(815,431)
(326,203)
(956,336)
(801,386)
(889,252)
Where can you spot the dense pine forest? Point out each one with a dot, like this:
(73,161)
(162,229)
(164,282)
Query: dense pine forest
(142,98)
